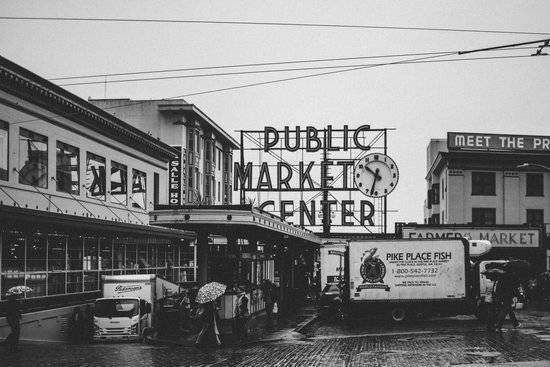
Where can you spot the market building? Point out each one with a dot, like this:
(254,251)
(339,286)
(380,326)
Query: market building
(498,182)
(76,188)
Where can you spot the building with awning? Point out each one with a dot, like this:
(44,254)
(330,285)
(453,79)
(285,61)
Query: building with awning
(240,245)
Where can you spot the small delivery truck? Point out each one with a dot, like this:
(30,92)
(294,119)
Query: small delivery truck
(127,309)
(409,277)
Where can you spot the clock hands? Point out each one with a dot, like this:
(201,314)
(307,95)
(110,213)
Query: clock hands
(376,177)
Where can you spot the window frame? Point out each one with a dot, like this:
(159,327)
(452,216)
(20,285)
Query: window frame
(483,188)
(67,147)
(536,191)
(29,134)
(486,210)
(5,173)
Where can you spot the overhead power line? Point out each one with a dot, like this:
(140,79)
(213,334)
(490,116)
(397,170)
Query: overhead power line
(282,70)
(279,80)
(271,24)
(161,71)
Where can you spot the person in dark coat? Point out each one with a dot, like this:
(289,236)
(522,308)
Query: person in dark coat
(504,293)
(241,318)
(77,326)
(269,296)
(209,333)
(13,316)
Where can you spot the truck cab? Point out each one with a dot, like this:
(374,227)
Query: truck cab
(121,318)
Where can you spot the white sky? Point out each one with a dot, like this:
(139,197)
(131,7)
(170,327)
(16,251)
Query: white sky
(421,101)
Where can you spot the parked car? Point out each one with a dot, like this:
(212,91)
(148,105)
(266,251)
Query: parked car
(330,302)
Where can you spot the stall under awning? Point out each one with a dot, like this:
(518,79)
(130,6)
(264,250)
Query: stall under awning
(238,220)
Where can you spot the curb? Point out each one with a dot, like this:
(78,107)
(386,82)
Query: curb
(306,323)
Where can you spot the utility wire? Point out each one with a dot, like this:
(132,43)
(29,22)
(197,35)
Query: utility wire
(271,82)
(264,64)
(273,24)
(279,70)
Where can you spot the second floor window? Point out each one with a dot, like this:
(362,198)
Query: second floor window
(534,184)
(67,177)
(139,189)
(483,216)
(96,179)
(4,151)
(435,193)
(119,183)
(33,158)
(483,183)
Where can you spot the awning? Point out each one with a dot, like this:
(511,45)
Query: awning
(28,219)
(240,220)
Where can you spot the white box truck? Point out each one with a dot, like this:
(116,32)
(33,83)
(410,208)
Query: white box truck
(127,309)
(408,277)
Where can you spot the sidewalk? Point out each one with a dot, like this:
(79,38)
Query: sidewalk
(284,327)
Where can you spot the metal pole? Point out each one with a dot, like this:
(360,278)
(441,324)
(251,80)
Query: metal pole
(241,189)
(385,197)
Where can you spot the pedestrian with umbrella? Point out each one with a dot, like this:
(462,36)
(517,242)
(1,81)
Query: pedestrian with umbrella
(506,289)
(207,315)
(13,315)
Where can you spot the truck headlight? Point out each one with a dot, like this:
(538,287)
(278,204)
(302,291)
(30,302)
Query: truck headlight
(134,328)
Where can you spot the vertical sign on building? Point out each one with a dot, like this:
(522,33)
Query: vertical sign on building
(174,180)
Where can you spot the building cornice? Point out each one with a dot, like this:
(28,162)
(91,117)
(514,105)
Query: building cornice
(30,87)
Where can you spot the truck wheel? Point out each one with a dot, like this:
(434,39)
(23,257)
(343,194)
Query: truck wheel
(146,334)
(398,314)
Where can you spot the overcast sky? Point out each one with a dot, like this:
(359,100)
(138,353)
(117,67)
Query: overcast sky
(422,101)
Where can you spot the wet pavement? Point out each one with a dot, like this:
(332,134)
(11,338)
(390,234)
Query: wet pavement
(353,342)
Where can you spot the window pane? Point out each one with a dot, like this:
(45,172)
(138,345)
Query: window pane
(95,176)
(11,279)
(74,253)
(119,183)
(535,216)
(131,257)
(118,256)
(74,282)
(535,184)
(67,168)
(142,256)
(56,283)
(36,253)
(483,183)
(13,252)
(105,254)
(483,216)
(90,253)
(152,253)
(37,282)
(4,150)
(56,254)
(139,189)
(33,159)
(91,281)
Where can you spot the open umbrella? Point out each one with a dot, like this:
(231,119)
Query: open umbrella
(210,291)
(19,289)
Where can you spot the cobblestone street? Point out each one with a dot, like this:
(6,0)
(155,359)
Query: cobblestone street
(432,342)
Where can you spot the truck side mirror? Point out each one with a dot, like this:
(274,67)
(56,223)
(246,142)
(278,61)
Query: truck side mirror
(147,307)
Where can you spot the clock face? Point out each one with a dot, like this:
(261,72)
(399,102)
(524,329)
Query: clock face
(376,175)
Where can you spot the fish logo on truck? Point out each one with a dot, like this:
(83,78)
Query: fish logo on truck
(127,288)
(372,271)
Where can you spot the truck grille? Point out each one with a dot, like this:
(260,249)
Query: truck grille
(116,330)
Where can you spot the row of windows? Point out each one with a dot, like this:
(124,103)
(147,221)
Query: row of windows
(54,264)
(33,170)
(484,183)
(487,217)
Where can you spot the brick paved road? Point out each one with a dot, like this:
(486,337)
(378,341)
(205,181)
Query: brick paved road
(429,343)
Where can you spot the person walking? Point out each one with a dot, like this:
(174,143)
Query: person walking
(268,294)
(209,333)
(13,316)
(241,318)
(504,294)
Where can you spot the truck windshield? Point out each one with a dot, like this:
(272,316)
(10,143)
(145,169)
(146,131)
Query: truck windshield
(116,307)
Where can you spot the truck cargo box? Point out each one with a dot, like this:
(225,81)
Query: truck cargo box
(408,270)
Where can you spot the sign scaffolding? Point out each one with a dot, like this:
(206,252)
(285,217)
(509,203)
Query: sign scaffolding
(306,176)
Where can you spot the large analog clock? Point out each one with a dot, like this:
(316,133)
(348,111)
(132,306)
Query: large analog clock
(376,175)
